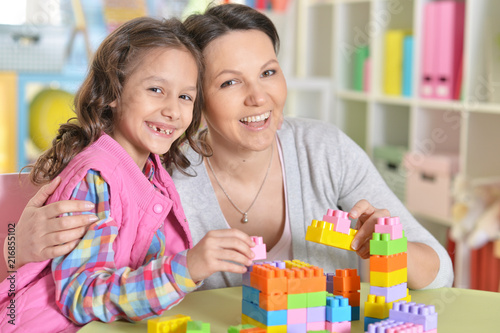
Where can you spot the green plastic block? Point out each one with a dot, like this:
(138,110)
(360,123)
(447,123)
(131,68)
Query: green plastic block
(316,299)
(323,331)
(237,329)
(382,245)
(297,301)
(197,327)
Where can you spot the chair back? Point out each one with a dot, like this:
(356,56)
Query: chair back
(15,192)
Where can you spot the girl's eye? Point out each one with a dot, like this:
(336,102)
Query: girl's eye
(228,83)
(269,72)
(156,90)
(186,97)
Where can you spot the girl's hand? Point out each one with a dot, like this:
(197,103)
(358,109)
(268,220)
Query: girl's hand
(367,216)
(41,234)
(226,250)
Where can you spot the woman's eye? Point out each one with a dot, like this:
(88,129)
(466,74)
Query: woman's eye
(228,83)
(186,97)
(268,73)
(156,90)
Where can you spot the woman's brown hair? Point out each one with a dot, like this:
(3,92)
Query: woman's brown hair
(111,66)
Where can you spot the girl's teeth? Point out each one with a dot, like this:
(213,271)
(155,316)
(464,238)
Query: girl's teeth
(168,132)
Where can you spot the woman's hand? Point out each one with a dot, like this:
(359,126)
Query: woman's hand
(42,234)
(367,216)
(226,250)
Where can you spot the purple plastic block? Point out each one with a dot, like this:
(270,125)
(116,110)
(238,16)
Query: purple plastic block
(339,219)
(329,282)
(296,316)
(315,314)
(296,328)
(245,277)
(382,326)
(389,225)
(412,312)
(391,294)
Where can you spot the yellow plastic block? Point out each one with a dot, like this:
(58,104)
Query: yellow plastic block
(322,232)
(168,324)
(296,264)
(376,307)
(388,279)
(270,329)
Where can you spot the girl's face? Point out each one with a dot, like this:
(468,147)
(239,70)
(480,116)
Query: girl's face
(156,105)
(245,90)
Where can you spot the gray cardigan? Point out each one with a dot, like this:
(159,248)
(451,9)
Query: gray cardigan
(323,169)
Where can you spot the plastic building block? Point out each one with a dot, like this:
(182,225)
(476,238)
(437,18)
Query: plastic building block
(241,328)
(322,232)
(250,294)
(268,318)
(376,307)
(168,324)
(353,296)
(297,301)
(317,327)
(329,282)
(382,245)
(316,299)
(412,312)
(370,320)
(389,225)
(315,280)
(295,280)
(269,329)
(388,263)
(346,280)
(273,302)
(355,313)
(259,249)
(337,309)
(253,330)
(315,331)
(268,279)
(389,325)
(245,278)
(296,328)
(391,294)
(296,316)
(197,327)
(382,279)
(316,314)
(339,219)
(339,327)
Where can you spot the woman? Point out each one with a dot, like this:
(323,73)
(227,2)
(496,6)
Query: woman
(264,180)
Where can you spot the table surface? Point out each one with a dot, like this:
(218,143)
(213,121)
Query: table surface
(459,310)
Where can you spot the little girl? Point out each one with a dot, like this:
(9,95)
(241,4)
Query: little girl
(142,93)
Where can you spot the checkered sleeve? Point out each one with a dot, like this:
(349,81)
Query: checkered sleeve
(89,286)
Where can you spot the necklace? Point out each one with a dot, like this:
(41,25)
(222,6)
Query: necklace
(244,219)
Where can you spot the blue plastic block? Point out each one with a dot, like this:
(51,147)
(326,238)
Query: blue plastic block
(250,294)
(337,309)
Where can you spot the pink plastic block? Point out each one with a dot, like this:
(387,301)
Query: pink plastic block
(412,312)
(341,327)
(392,326)
(317,326)
(389,225)
(339,219)
(296,316)
(259,249)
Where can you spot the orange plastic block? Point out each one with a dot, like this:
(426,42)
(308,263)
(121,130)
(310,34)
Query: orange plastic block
(168,324)
(315,280)
(322,232)
(253,330)
(273,302)
(353,296)
(346,280)
(268,279)
(295,281)
(388,263)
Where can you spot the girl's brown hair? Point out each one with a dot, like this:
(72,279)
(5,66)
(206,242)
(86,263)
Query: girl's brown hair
(111,66)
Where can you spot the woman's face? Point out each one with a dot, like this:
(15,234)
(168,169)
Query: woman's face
(245,90)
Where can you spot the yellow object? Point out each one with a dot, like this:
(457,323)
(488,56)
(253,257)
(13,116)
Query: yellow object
(49,109)
(296,264)
(8,118)
(376,307)
(393,67)
(168,324)
(388,279)
(269,329)
(321,232)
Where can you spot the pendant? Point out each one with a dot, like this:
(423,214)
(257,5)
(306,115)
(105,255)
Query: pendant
(245,218)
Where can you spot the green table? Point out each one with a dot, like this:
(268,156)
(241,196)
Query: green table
(460,310)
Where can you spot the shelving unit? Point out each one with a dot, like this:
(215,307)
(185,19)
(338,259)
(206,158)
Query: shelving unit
(328,32)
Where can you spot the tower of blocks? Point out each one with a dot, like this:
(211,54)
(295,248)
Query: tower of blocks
(388,270)
(346,283)
(334,230)
(291,296)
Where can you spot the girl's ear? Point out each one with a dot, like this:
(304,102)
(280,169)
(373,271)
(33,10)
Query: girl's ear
(113,104)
